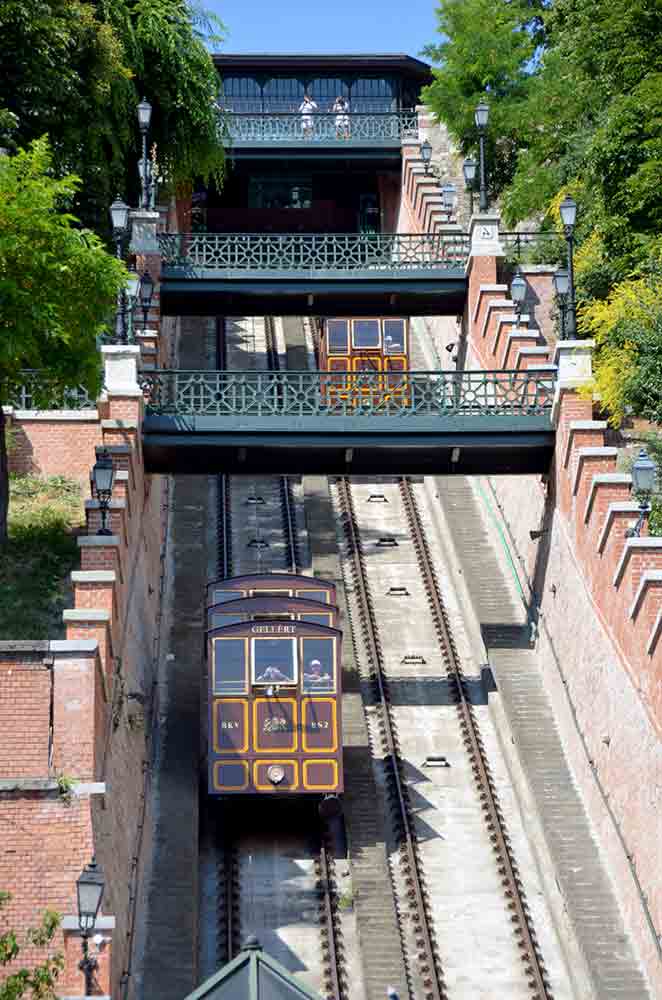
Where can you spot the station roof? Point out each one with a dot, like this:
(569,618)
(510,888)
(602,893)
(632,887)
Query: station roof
(394,62)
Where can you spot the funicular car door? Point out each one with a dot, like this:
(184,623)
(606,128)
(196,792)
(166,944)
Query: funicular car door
(337,355)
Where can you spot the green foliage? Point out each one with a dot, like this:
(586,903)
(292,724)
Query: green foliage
(76,69)
(39,980)
(57,282)
(41,551)
(575,91)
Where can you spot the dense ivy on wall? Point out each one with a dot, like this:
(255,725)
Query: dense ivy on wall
(75,70)
(575,91)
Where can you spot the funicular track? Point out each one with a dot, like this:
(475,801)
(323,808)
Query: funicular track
(421,949)
(232,845)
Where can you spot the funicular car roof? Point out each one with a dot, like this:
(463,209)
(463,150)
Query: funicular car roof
(294,629)
(250,581)
(295,605)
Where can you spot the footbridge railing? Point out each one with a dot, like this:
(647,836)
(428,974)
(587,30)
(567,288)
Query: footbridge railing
(312,394)
(370,129)
(259,252)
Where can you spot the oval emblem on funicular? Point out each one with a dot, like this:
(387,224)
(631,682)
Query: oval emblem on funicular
(276,774)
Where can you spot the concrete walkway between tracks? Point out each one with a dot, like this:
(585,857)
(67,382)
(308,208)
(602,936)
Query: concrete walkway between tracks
(588,914)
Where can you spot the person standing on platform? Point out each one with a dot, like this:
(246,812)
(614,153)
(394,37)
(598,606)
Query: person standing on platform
(341,110)
(306,110)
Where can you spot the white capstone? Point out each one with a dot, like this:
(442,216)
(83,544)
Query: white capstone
(120,366)
(484,235)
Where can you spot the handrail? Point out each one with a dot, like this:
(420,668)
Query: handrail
(314,251)
(319,126)
(364,393)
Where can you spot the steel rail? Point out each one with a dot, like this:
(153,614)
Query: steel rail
(527,943)
(289,513)
(429,962)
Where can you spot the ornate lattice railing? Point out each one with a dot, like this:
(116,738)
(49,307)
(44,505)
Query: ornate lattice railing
(296,394)
(36,390)
(314,252)
(293,127)
(534,248)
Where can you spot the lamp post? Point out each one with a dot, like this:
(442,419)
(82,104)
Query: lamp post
(448,196)
(481,118)
(518,294)
(568,209)
(469,171)
(426,155)
(144,118)
(132,286)
(146,291)
(89,890)
(119,217)
(644,473)
(561,286)
(103,477)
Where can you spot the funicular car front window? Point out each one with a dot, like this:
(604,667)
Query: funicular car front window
(318,672)
(221,596)
(315,595)
(337,331)
(219,619)
(394,336)
(229,666)
(274,661)
(365,333)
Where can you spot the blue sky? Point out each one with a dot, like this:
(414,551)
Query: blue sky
(343,26)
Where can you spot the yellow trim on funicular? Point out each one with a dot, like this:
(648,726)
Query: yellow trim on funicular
(320,788)
(247,664)
(230,788)
(275,788)
(334,723)
(232,701)
(256,732)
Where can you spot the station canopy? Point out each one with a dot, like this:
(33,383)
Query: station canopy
(253,975)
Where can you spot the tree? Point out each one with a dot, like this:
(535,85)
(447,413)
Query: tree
(76,69)
(39,980)
(58,284)
(575,91)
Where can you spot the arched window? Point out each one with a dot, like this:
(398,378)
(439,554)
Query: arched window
(240,93)
(282,94)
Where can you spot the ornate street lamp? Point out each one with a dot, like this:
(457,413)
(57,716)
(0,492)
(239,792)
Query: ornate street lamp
(89,889)
(131,294)
(644,475)
(568,210)
(119,218)
(146,292)
(426,155)
(481,118)
(103,477)
(469,171)
(144,118)
(448,196)
(518,294)
(561,287)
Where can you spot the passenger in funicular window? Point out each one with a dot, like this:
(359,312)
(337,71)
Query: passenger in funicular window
(340,109)
(306,110)
(274,674)
(314,677)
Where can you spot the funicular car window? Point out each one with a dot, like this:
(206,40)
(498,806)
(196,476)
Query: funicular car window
(230,667)
(316,619)
(337,331)
(220,619)
(315,595)
(271,593)
(318,673)
(394,336)
(274,661)
(365,333)
(221,596)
